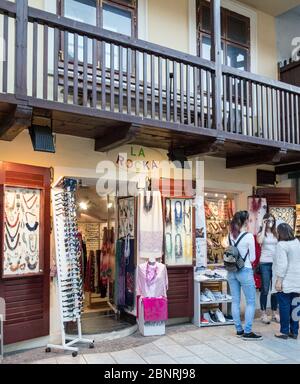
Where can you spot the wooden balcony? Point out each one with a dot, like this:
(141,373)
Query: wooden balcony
(88,82)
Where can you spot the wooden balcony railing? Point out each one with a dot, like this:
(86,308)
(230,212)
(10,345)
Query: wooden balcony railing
(60,61)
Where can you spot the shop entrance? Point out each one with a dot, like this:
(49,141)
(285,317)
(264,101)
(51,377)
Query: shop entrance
(96,217)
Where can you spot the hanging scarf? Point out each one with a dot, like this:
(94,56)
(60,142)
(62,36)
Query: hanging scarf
(151,274)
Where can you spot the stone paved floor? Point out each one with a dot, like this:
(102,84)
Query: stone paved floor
(182,345)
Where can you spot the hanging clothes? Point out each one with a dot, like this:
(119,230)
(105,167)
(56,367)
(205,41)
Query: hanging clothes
(257,208)
(150,225)
(152,280)
(129,270)
(89,284)
(120,274)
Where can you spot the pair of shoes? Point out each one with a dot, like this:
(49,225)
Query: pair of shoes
(265,319)
(292,336)
(213,317)
(204,298)
(276,318)
(252,337)
(219,296)
(217,316)
(228,318)
(281,336)
(240,334)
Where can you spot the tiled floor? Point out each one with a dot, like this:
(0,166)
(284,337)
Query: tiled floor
(189,345)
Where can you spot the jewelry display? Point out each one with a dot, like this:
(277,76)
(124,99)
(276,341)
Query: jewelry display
(21,218)
(179,231)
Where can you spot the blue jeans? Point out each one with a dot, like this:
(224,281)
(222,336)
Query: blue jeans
(286,307)
(266,282)
(244,280)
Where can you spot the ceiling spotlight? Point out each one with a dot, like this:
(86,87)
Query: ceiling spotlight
(205,194)
(109,205)
(216,195)
(83,206)
(225,196)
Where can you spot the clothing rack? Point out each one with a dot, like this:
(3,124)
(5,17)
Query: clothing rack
(70,290)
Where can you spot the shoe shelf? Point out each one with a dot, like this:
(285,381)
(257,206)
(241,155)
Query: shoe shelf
(201,307)
(205,303)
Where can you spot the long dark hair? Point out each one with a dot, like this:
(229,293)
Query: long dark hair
(273,229)
(238,221)
(285,232)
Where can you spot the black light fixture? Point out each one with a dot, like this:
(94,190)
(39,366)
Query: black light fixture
(177,156)
(42,138)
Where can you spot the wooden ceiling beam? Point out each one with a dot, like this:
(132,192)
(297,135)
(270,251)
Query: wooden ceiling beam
(116,138)
(15,122)
(244,160)
(206,148)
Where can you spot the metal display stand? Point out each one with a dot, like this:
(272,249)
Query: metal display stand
(1,338)
(198,305)
(70,286)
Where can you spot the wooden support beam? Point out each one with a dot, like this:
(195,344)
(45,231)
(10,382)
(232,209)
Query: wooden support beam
(287,168)
(21,49)
(207,148)
(116,138)
(216,56)
(18,120)
(244,160)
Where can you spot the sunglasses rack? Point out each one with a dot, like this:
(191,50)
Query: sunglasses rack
(68,254)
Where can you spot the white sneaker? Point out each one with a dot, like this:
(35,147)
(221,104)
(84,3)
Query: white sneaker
(265,319)
(207,317)
(209,294)
(204,298)
(220,316)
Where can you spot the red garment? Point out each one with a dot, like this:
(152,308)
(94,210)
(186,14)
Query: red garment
(154,308)
(257,277)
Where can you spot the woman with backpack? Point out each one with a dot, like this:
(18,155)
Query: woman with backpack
(268,239)
(286,272)
(241,277)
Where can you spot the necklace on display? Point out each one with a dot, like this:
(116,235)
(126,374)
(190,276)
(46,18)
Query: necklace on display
(178,246)
(28,200)
(14,224)
(168,212)
(33,241)
(31,265)
(178,213)
(12,237)
(10,205)
(14,264)
(169,246)
(12,247)
(148,204)
(31,228)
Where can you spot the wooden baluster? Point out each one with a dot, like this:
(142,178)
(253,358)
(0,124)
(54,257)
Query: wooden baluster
(55,64)
(152,86)
(160,90)
(75,93)
(45,64)
(188,95)
(196,82)
(121,79)
(95,64)
(34,59)
(181,94)
(112,77)
(145,59)
(129,56)
(168,93)
(137,83)
(85,70)
(103,75)
(66,64)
